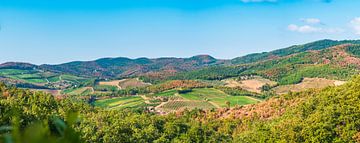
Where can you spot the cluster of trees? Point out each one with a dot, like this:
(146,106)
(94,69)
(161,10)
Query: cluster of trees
(354,49)
(331,115)
(235,91)
(317,45)
(211,73)
(324,71)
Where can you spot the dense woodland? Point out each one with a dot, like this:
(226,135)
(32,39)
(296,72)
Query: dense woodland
(354,49)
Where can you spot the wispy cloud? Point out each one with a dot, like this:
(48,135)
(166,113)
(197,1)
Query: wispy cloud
(311,20)
(313,25)
(355,25)
(249,1)
(302,29)
(313,29)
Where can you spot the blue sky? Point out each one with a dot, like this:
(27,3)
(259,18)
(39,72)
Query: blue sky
(56,31)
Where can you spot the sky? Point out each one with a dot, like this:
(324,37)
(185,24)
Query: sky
(58,31)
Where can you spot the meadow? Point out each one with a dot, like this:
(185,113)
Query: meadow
(217,97)
(121,102)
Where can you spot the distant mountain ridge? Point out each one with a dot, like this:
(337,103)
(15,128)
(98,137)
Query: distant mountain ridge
(122,67)
(125,67)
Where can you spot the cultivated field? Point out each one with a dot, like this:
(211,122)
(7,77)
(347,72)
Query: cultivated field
(111,83)
(217,97)
(23,75)
(171,100)
(121,102)
(172,106)
(253,85)
(124,83)
(308,83)
(134,82)
(53,92)
(168,93)
(78,91)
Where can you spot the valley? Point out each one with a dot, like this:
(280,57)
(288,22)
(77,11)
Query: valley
(208,83)
(266,93)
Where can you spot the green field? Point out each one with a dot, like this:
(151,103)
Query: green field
(166,93)
(54,79)
(216,96)
(78,91)
(105,88)
(178,105)
(12,71)
(121,102)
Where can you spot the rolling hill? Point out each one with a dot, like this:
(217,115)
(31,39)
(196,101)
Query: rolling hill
(336,60)
(125,67)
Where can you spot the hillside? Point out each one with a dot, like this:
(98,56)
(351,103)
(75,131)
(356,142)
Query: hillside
(164,67)
(338,63)
(317,45)
(319,59)
(124,67)
(329,115)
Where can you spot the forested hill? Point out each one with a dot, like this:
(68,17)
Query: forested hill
(317,45)
(164,67)
(338,63)
(329,115)
(122,67)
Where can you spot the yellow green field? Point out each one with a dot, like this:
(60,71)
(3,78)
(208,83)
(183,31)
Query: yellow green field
(121,102)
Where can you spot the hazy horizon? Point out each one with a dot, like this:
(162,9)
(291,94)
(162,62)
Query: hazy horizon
(54,32)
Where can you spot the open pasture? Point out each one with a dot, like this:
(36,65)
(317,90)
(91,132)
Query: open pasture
(121,102)
(217,97)
(172,106)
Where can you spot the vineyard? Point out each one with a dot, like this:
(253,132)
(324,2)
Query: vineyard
(179,105)
(121,102)
(134,82)
(218,97)
(78,91)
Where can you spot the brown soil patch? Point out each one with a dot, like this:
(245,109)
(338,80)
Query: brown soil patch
(308,83)
(132,83)
(253,85)
(112,83)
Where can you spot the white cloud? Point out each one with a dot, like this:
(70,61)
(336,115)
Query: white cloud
(248,1)
(313,29)
(303,29)
(311,20)
(355,25)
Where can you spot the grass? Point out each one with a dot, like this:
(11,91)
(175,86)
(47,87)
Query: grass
(13,71)
(36,80)
(166,93)
(71,78)
(121,102)
(104,87)
(178,105)
(78,91)
(28,76)
(54,79)
(216,96)
(31,78)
